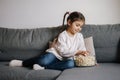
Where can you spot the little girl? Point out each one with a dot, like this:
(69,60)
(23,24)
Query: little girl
(60,56)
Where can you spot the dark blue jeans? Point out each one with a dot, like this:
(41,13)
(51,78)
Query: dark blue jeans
(49,61)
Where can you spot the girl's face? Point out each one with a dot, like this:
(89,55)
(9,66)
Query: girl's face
(75,27)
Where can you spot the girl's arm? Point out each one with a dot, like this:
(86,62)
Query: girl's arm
(62,47)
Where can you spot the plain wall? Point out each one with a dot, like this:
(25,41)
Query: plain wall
(48,13)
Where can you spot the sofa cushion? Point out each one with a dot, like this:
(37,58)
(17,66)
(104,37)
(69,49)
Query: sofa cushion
(12,73)
(10,54)
(89,44)
(26,38)
(24,43)
(106,39)
(105,71)
(43,74)
(23,73)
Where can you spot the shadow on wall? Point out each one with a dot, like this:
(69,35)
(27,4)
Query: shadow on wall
(118,52)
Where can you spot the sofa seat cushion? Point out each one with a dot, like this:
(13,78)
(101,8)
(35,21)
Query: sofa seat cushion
(46,74)
(23,73)
(12,73)
(104,71)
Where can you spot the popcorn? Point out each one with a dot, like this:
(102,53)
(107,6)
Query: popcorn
(85,60)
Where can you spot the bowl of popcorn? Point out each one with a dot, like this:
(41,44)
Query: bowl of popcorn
(85,60)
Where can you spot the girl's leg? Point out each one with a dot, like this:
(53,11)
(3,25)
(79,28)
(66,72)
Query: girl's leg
(29,62)
(61,65)
(43,60)
(46,59)
(49,61)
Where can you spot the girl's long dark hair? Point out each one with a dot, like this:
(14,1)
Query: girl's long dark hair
(74,16)
(65,17)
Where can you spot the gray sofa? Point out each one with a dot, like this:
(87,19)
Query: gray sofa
(27,43)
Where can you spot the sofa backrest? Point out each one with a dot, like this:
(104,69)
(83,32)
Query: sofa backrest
(27,43)
(106,40)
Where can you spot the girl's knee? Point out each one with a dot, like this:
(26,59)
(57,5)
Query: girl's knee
(43,62)
(70,64)
(46,59)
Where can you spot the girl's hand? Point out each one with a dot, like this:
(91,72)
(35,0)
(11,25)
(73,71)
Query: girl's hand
(84,53)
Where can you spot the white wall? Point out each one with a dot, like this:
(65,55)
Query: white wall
(47,13)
